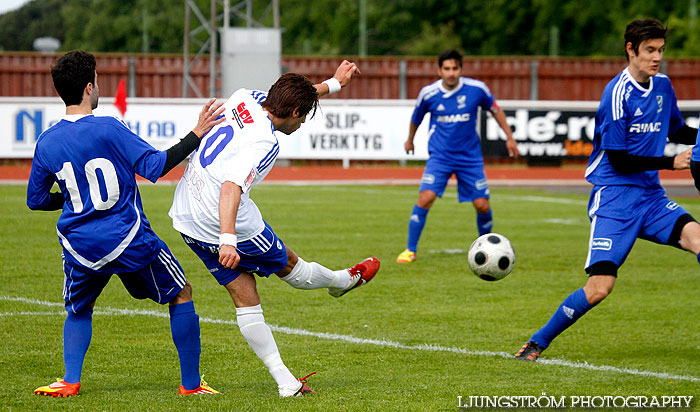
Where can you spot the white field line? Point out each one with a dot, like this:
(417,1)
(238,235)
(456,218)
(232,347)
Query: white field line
(351,339)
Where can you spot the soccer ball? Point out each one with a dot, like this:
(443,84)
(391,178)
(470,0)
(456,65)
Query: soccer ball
(491,257)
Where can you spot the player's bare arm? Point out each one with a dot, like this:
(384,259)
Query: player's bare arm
(343,75)
(408,145)
(229,199)
(511,145)
(209,117)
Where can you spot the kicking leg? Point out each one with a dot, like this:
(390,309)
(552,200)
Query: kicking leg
(484,216)
(303,275)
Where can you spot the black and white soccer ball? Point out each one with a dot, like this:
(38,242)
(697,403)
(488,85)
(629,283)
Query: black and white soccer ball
(491,257)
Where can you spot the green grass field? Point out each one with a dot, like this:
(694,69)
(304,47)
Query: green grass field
(414,339)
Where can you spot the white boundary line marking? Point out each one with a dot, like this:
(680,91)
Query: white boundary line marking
(351,339)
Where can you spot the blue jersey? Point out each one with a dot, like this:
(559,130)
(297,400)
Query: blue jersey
(453,119)
(93,160)
(634,119)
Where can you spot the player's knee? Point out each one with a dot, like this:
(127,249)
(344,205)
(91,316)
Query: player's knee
(426,199)
(482,207)
(184,296)
(595,295)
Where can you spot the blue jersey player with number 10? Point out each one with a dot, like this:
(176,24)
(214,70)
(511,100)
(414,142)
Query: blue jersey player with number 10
(102,227)
(454,146)
(637,113)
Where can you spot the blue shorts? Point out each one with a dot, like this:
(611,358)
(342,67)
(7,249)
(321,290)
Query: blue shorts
(160,281)
(262,255)
(621,214)
(471,181)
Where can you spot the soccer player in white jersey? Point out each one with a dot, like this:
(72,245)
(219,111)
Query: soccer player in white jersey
(102,227)
(637,113)
(213,211)
(454,146)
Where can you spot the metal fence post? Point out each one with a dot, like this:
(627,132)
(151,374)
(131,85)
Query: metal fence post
(132,77)
(534,80)
(402,79)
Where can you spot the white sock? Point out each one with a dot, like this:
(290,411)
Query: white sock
(259,337)
(314,276)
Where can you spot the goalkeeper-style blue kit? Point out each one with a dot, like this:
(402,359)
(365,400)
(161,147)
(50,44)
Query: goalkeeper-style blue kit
(623,207)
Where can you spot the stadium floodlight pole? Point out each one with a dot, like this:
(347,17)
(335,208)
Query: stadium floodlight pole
(212,48)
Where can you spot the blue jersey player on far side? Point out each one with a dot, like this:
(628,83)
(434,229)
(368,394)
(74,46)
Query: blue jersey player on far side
(453,146)
(637,113)
(102,226)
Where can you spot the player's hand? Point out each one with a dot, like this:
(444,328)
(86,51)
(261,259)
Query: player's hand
(228,256)
(208,117)
(512,147)
(682,160)
(345,71)
(410,148)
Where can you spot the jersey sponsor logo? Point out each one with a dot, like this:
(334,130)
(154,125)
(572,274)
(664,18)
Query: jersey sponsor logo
(428,178)
(645,127)
(461,101)
(250,179)
(672,205)
(629,90)
(481,184)
(244,114)
(279,245)
(454,118)
(660,102)
(601,243)
(638,112)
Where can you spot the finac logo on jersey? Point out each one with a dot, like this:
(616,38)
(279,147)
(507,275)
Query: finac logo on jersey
(440,107)
(629,90)
(279,245)
(568,312)
(638,112)
(660,102)
(645,127)
(601,243)
(672,205)
(454,118)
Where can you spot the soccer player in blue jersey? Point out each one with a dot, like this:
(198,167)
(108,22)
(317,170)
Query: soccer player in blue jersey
(637,113)
(454,146)
(102,227)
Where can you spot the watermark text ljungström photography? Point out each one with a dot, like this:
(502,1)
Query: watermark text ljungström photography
(545,401)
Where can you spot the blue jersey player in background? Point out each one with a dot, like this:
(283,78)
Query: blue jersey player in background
(453,146)
(102,227)
(637,113)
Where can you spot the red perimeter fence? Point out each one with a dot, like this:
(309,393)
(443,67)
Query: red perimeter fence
(511,78)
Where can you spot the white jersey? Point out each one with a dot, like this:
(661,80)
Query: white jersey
(241,150)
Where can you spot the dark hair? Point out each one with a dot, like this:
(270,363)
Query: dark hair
(640,30)
(71,74)
(291,91)
(450,54)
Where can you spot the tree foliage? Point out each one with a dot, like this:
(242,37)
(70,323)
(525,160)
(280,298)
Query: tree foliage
(330,27)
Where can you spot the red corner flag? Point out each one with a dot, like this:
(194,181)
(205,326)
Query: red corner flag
(120,97)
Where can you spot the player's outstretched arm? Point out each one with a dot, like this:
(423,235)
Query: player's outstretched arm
(341,78)
(210,116)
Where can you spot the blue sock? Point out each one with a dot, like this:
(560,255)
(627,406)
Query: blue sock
(184,325)
(77,333)
(484,222)
(415,226)
(698,256)
(572,308)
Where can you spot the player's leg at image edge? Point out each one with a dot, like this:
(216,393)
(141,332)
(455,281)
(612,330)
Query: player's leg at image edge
(184,326)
